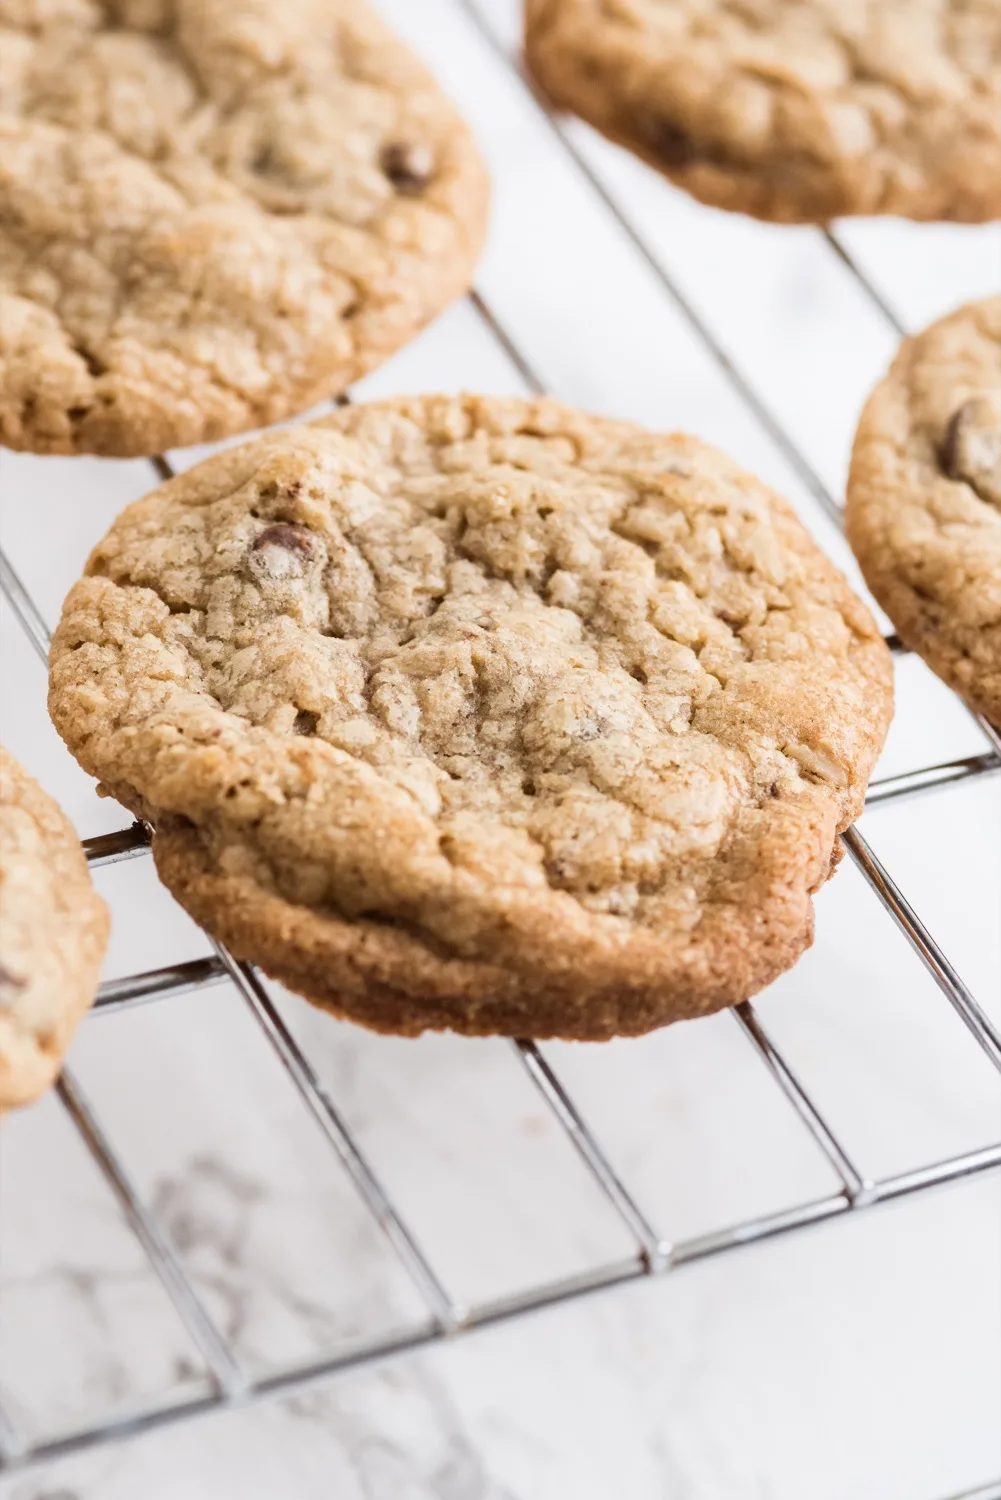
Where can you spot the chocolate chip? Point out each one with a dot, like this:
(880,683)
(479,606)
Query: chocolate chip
(305,722)
(10,986)
(949,453)
(295,539)
(264,161)
(674,146)
(282,553)
(94,365)
(408,167)
(971,446)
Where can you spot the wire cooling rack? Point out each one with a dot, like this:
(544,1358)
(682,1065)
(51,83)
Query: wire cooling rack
(229,1385)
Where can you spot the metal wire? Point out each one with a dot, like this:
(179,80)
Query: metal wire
(930,778)
(741,384)
(872,292)
(25,609)
(938,965)
(809,1115)
(173,979)
(211,1345)
(654,1254)
(112,848)
(655,1250)
(490,320)
(447,1315)
(303,1375)
(992,734)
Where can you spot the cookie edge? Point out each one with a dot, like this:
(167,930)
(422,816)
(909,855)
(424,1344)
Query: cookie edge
(864,531)
(79,981)
(586,80)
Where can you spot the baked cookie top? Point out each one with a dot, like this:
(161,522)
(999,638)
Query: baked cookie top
(537,701)
(924,499)
(796,110)
(214,213)
(53,932)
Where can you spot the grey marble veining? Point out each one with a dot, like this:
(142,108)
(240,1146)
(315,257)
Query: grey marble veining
(859,1359)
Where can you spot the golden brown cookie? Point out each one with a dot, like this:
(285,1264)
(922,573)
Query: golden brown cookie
(53,932)
(924,499)
(794,110)
(214,214)
(480,713)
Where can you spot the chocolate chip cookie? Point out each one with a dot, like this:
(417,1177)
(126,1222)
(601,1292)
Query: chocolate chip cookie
(924,499)
(214,214)
(53,932)
(480,713)
(791,110)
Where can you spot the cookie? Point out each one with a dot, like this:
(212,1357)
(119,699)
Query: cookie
(53,933)
(790,110)
(924,499)
(480,713)
(214,214)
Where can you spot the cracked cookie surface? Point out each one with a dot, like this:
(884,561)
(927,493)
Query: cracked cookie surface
(480,713)
(793,110)
(924,499)
(214,214)
(53,932)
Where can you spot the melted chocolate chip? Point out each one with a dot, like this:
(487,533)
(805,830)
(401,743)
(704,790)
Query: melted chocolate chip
(408,167)
(970,451)
(10,986)
(305,722)
(295,539)
(949,452)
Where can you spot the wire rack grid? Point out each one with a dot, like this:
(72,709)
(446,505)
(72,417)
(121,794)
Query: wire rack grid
(229,1384)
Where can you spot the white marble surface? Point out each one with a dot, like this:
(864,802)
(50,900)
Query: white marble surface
(859,1359)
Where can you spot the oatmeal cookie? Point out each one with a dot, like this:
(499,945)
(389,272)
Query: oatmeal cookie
(480,713)
(53,933)
(792,110)
(214,214)
(924,499)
